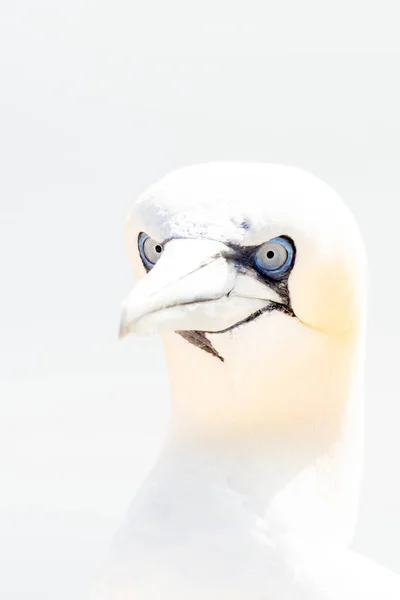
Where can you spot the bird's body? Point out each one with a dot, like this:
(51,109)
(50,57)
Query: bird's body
(198,537)
(261,271)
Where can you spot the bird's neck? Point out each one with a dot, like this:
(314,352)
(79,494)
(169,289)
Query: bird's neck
(300,473)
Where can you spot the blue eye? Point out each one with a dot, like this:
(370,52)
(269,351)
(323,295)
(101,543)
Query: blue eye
(275,257)
(149,250)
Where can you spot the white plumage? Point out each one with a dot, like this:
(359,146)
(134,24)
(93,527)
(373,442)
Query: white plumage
(255,493)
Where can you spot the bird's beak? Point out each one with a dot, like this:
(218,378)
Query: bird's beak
(193,286)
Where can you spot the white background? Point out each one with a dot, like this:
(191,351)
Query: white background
(98,99)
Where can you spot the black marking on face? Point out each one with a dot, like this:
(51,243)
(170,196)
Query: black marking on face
(199,339)
(271,307)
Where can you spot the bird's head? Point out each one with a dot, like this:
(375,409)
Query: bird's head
(254,274)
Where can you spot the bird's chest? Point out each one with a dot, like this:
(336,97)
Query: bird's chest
(212,545)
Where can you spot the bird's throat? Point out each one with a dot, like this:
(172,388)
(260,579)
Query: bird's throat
(290,450)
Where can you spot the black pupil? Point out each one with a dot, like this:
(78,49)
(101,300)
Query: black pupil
(158,248)
(270,254)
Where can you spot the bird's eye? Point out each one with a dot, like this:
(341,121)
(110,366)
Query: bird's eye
(275,257)
(149,250)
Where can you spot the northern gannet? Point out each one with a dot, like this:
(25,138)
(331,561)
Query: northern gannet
(255,276)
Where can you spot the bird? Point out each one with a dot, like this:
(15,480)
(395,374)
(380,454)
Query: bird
(254,274)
